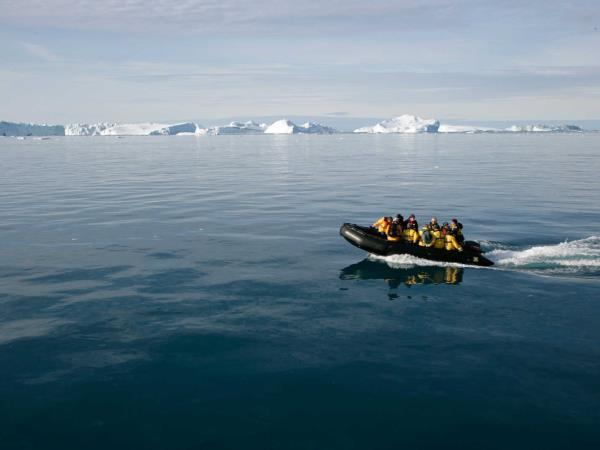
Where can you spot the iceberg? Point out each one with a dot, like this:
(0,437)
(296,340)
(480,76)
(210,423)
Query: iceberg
(282,127)
(540,128)
(84,129)
(445,128)
(248,127)
(30,129)
(285,126)
(316,128)
(403,124)
(133,129)
(168,130)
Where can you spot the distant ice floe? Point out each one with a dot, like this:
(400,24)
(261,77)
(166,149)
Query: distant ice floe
(248,127)
(285,126)
(403,124)
(444,128)
(513,129)
(544,129)
(132,129)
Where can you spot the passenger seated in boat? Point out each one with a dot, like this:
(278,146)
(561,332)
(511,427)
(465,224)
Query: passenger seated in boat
(450,242)
(436,231)
(382,224)
(411,218)
(456,231)
(426,238)
(394,231)
(411,233)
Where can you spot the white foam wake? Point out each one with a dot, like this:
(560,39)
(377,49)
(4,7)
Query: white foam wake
(580,257)
(581,254)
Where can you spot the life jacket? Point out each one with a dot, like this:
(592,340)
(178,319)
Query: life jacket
(381,225)
(440,242)
(384,227)
(394,231)
(456,230)
(410,235)
(451,243)
(427,237)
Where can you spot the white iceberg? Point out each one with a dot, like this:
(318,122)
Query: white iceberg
(469,129)
(403,124)
(131,129)
(285,126)
(84,129)
(30,129)
(248,127)
(540,128)
(316,128)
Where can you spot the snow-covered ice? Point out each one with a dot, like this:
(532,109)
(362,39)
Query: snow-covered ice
(541,128)
(84,129)
(130,129)
(285,126)
(445,128)
(248,127)
(403,124)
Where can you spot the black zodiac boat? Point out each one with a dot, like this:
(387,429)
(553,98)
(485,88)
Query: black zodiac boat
(370,240)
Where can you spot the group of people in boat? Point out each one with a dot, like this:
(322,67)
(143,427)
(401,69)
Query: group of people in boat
(448,236)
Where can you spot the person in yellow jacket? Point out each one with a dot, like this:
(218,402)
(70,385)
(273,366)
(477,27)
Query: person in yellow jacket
(426,238)
(394,231)
(440,241)
(382,224)
(410,233)
(456,231)
(450,242)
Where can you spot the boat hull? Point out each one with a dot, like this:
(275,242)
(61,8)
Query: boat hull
(369,240)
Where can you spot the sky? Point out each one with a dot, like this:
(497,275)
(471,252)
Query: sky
(66,61)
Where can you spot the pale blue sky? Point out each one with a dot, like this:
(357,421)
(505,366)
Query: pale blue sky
(134,60)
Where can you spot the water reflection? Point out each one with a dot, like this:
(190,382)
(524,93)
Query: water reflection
(375,270)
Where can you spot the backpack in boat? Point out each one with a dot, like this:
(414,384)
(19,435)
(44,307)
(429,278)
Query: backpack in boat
(427,237)
(393,230)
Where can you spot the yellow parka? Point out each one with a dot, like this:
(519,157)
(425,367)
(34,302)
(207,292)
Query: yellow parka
(382,225)
(451,243)
(394,238)
(440,242)
(411,236)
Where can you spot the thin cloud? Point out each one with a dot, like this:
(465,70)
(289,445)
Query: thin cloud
(241,16)
(40,52)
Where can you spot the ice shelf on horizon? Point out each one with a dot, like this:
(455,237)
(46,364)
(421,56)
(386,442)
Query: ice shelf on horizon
(405,124)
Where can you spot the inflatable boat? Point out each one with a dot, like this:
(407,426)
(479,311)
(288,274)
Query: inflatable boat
(370,240)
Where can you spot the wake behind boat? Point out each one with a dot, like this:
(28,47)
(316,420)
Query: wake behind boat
(370,240)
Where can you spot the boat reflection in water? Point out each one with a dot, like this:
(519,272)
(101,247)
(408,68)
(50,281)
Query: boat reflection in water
(375,270)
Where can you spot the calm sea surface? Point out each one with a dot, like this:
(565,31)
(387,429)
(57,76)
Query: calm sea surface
(194,293)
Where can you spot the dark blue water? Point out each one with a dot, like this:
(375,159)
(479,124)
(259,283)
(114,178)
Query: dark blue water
(184,293)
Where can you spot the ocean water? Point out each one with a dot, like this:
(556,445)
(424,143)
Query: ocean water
(194,293)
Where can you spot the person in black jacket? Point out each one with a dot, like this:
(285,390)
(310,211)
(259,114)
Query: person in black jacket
(411,223)
(456,231)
